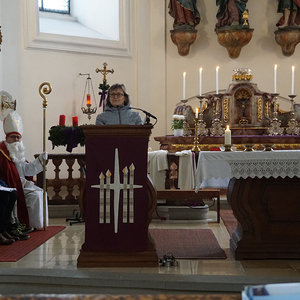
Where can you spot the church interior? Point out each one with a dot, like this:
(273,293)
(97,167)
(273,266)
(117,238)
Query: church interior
(253,87)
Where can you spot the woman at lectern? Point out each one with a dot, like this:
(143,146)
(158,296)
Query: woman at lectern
(118,109)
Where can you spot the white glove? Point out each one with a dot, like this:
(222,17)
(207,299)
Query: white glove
(44,156)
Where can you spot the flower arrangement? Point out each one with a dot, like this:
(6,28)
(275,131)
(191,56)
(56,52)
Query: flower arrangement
(177,122)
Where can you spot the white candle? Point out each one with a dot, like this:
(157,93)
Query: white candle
(217,80)
(197,112)
(227,136)
(293,79)
(275,79)
(184,73)
(200,82)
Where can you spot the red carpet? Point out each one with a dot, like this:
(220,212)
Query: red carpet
(229,220)
(187,243)
(19,249)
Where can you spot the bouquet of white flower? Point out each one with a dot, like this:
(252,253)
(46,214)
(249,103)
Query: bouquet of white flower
(177,122)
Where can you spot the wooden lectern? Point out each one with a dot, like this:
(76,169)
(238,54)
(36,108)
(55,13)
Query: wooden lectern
(119,198)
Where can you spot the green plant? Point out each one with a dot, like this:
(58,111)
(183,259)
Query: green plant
(177,122)
(59,135)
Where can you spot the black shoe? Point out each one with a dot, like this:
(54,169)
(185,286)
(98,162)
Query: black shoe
(18,233)
(25,229)
(11,237)
(5,241)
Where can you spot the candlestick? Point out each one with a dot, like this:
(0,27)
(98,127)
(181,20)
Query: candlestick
(88,100)
(200,82)
(275,79)
(197,113)
(184,73)
(217,80)
(62,120)
(75,121)
(227,136)
(293,79)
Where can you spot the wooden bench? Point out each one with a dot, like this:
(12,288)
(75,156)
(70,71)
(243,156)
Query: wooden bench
(191,195)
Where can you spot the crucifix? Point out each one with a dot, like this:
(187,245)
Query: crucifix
(104,72)
(103,86)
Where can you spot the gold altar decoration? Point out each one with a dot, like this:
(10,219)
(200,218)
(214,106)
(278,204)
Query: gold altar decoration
(226,110)
(216,126)
(44,89)
(241,74)
(87,99)
(287,39)
(259,110)
(196,147)
(183,39)
(275,124)
(202,130)
(293,128)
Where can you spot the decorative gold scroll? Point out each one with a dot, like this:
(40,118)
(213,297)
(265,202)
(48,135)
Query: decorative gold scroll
(259,110)
(226,110)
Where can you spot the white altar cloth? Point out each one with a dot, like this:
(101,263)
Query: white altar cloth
(223,165)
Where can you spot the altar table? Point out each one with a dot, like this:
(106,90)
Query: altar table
(264,194)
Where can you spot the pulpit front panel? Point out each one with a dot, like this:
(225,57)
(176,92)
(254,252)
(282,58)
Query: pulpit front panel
(116,205)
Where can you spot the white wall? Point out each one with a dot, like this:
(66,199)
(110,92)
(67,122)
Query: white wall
(153,75)
(107,13)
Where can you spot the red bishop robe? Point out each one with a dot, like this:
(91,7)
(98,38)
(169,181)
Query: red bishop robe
(9,174)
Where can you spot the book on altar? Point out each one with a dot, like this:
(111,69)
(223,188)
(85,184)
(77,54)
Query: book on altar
(7,189)
(279,291)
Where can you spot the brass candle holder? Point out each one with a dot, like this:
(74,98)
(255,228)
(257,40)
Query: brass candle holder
(216,126)
(293,128)
(203,131)
(196,147)
(227,147)
(275,124)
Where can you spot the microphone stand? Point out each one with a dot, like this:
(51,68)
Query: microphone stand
(148,115)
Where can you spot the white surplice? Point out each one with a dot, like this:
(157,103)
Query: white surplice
(33,194)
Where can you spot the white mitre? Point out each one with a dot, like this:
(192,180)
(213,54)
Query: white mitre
(13,124)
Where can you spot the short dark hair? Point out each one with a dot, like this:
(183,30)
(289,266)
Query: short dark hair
(114,87)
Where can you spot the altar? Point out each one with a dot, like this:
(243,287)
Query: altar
(253,116)
(264,194)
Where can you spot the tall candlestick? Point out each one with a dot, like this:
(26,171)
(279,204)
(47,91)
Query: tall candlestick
(217,80)
(184,73)
(227,136)
(275,79)
(293,79)
(200,82)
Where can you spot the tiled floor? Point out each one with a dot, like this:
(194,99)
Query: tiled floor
(61,252)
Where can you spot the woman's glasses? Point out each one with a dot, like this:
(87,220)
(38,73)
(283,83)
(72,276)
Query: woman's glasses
(118,95)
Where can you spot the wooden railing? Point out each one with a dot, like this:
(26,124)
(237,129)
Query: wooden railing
(67,187)
(64,189)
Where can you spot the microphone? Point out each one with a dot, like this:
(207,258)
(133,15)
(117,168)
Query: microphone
(145,112)
(148,115)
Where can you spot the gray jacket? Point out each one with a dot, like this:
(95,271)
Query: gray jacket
(119,115)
